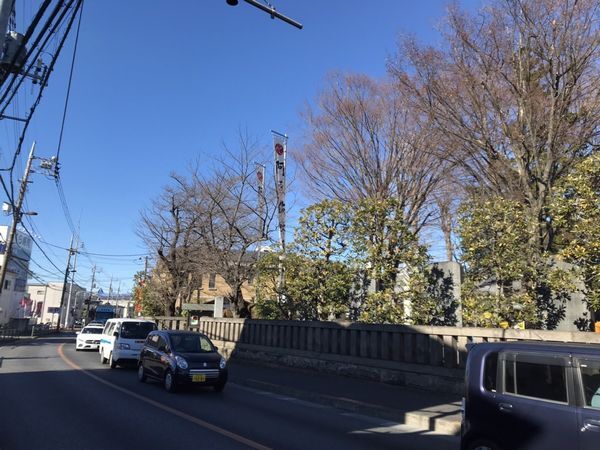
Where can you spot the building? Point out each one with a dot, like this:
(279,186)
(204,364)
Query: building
(14,301)
(45,300)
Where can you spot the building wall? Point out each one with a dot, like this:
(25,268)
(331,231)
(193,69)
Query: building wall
(8,306)
(220,289)
(13,299)
(46,299)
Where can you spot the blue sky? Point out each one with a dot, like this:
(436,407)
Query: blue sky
(159,84)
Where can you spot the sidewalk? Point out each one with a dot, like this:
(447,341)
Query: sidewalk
(434,411)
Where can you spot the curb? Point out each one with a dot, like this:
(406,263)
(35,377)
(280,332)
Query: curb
(428,420)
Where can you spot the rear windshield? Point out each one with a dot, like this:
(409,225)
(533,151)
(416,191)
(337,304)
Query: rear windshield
(96,330)
(136,330)
(191,343)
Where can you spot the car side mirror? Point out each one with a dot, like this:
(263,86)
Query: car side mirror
(116,334)
(216,348)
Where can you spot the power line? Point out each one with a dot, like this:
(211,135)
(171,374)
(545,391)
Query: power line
(64,117)
(40,248)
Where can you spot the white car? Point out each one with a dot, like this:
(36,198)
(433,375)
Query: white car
(89,338)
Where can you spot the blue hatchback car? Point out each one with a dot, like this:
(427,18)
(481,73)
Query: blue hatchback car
(524,395)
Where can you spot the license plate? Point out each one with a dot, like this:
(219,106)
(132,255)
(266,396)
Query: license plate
(198,378)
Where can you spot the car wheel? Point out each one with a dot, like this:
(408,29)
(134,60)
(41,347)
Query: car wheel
(111,362)
(169,382)
(103,360)
(141,374)
(219,387)
(483,444)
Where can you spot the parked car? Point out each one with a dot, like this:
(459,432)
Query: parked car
(88,338)
(178,358)
(532,396)
(122,340)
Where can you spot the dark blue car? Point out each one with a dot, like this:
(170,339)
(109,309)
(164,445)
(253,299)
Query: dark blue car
(178,358)
(532,396)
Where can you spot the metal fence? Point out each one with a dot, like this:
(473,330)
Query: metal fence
(10,334)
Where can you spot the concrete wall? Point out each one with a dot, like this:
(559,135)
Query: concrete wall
(421,356)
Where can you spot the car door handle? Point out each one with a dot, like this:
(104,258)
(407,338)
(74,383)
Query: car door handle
(506,407)
(591,425)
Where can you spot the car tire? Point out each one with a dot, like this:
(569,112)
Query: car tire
(111,362)
(482,444)
(219,387)
(141,374)
(103,360)
(77,349)
(169,382)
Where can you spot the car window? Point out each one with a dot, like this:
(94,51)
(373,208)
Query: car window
(161,343)
(136,330)
(108,328)
(92,330)
(152,341)
(490,368)
(191,343)
(590,379)
(537,377)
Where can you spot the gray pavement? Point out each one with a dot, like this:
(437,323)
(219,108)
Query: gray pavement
(434,411)
(56,398)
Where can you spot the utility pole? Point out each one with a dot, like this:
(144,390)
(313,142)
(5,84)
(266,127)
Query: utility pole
(145,268)
(89,300)
(6,7)
(64,288)
(71,284)
(16,217)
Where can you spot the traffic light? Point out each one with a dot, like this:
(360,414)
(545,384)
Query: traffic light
(232,2)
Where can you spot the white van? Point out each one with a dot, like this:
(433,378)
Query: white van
(123,339)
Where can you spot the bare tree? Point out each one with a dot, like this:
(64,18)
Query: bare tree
(365,142)
(230,224)
(515,96)
(169,229)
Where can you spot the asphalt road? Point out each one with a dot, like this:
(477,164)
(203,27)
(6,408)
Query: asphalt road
(52,397)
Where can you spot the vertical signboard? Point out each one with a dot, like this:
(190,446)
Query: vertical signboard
(280,144)
(260,189)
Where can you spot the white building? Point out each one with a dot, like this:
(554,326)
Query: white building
(45,300)
(14,301)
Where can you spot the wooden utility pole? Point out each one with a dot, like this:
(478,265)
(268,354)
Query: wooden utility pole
(16,218)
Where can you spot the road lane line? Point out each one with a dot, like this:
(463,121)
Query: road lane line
(164,407)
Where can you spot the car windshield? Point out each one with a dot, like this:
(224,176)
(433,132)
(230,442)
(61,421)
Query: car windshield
(136,330)
(93,330)
(191,343)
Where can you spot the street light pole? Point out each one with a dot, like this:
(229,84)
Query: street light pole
(16,217)
(268,9)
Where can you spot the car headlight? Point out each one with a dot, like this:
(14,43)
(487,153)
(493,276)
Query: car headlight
(124,346)
(222,363)
(181,362)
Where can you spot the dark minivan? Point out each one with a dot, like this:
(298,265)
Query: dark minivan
(523,395)
(178,358)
